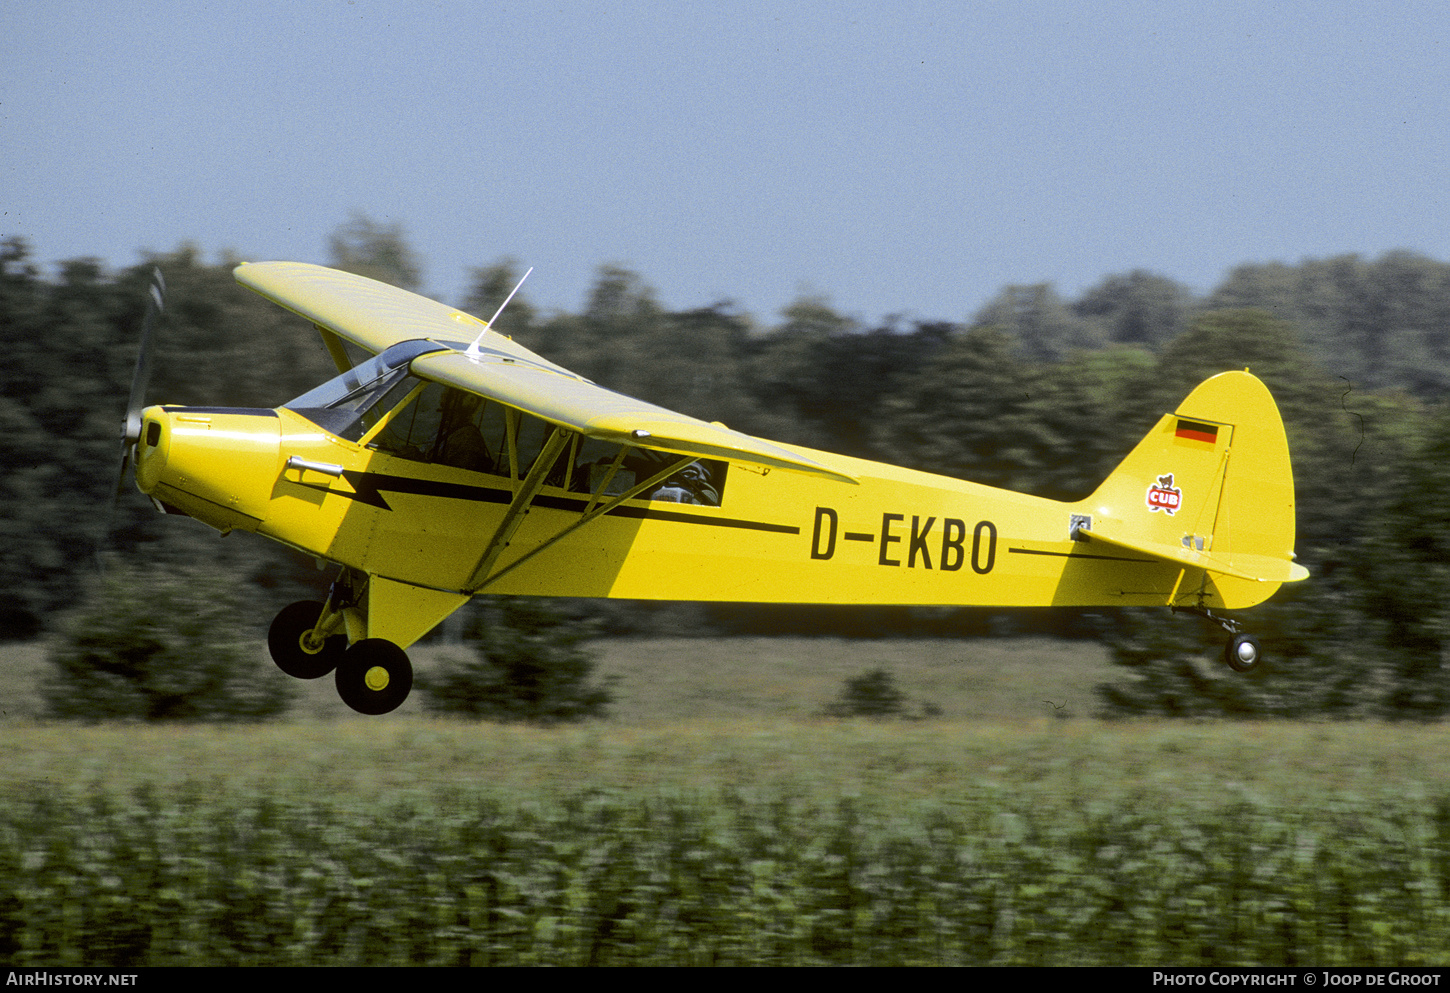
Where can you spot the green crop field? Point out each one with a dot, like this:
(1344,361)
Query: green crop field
(715,817)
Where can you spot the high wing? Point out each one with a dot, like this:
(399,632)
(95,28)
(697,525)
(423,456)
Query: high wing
(370,314)
(374,316)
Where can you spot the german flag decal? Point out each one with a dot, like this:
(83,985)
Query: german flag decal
(1196,431)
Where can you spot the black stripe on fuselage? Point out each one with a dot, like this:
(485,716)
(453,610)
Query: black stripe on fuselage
(370,486)
(1078,555)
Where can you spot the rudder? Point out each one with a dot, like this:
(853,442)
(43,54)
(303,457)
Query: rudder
(1210,485)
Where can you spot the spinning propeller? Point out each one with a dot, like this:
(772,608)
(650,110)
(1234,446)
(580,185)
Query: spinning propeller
(131,426)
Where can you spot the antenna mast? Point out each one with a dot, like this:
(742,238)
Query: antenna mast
(473,349)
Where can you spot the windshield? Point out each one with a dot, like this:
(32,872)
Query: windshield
(339,405)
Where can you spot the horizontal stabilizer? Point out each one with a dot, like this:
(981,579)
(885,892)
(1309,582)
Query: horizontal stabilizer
(1255,568)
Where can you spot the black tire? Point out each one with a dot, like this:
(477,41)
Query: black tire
(290,652)
(374,676)
(1242,653)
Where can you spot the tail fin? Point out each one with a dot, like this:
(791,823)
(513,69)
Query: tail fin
(1209,488)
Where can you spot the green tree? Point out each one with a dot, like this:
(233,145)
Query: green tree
(490,287)
(378,251)
(688,361)
(607,342)
(871,694)
(217,344)
(161,645)
(963,416)
(1139,308)
(1377,323)
(33,540)
(72,348)
(977,412)
(852,372)
(1039,322)
(1406,581)
(530,664)
(822,375)
(785,374)
(61,440)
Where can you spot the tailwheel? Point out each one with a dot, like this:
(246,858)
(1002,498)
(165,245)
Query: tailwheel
(1242,653)
(374,676)
(295,647)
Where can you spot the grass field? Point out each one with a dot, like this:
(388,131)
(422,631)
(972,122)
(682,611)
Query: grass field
(686,712)
(669,679)
(747,713)
(714,804)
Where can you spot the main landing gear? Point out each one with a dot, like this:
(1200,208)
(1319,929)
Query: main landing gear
(296,646)
(373,676)
(1242,651)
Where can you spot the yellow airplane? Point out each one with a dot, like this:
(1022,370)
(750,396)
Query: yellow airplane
(455,462)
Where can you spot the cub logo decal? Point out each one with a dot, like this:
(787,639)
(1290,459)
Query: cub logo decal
(1164,496)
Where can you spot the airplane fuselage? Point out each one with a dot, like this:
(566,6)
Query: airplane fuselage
(898,537)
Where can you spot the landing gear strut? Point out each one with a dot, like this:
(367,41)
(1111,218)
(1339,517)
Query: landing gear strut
(1242,651)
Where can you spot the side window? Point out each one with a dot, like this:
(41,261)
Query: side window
(411,431)
(699,482)
(494,427)
(591,469)
(446,427)
(351,403)
(353,415)
(461,443)
(395,394)
(533,433)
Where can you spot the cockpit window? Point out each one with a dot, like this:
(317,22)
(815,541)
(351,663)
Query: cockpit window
(347,405)
(444,426)
(699,482)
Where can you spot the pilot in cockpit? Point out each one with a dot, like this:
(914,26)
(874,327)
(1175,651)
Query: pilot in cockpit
(460,442)
(690,485)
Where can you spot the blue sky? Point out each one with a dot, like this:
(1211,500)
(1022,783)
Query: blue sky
(896,159)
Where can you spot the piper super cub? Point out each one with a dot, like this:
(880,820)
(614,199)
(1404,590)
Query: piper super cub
(455,462)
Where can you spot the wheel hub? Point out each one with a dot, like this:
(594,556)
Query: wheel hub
(376,679)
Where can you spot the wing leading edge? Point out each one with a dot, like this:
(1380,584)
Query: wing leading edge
(370,314)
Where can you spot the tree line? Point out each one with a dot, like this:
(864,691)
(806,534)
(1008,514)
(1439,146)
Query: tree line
(1033,392)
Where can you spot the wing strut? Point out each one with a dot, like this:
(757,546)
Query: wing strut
(518,507)
(594,511)
(334,348)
